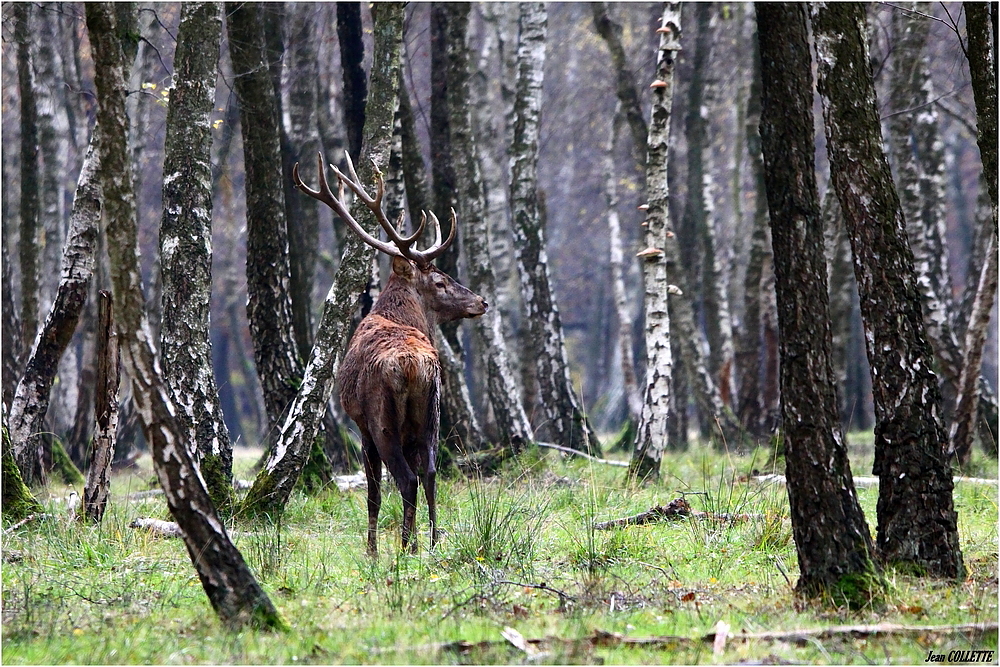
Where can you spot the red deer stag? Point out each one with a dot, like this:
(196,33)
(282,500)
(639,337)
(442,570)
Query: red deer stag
(390,379)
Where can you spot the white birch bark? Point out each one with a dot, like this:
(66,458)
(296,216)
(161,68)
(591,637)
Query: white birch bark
(565,422)
(633,398)
(31,398)
(512,421)
(230,586)
(919,162)
(651,437)
(186,247)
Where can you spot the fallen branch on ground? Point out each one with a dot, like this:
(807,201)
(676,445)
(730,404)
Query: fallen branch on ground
(158,527)
(574,452)
(674,510)
(141,495)
(972,631)
(867,482)
(25,520)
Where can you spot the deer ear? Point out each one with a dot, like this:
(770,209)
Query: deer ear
(402,267)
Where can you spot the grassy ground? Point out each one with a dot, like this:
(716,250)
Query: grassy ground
(519,551)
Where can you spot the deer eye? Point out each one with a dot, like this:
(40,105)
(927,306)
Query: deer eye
(439,284)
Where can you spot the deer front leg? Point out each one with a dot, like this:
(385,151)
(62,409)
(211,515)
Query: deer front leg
(430,445)
(373,474)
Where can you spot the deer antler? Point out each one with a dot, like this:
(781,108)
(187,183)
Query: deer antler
(401,246)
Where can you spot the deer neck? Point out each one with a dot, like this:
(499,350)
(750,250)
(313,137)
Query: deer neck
(401,303)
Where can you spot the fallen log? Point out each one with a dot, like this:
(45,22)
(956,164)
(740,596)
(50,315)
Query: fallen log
(158,527)
(674,510)
(574,452)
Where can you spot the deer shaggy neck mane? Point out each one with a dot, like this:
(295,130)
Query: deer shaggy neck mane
(400,303)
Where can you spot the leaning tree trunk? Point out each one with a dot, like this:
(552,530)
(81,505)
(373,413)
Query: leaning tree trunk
(31,399)
(186,248)
(107,380)
(566,422)
(626,90)
(917,523)
(269,307)
(651,435)
(834,547)
(231,588)
(508,411)
(299,428)
(983,70)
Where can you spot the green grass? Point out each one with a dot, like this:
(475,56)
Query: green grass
(517,550)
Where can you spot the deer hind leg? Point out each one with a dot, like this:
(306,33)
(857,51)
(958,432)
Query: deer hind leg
(391,450)
(373,475)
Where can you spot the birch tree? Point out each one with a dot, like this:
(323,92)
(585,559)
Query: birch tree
(233,592)
(633,399)
(979,19)
(917,523)
(834,547)
(508,412)
(186,247)
(299,427)
(31,398)
(651,436)
(565,421)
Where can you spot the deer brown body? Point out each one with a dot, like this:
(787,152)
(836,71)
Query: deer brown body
(390,378)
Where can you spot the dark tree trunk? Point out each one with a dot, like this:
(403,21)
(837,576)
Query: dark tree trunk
(28,242)
(917,523)
(231,588)
(186,248)
(31,399)
(445,185)
(301,146)
(831,536)
(108,376)
(269,308)
(298,430)
(352,53)
(750,408)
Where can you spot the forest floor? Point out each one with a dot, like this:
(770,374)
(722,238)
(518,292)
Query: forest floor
(520,560)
